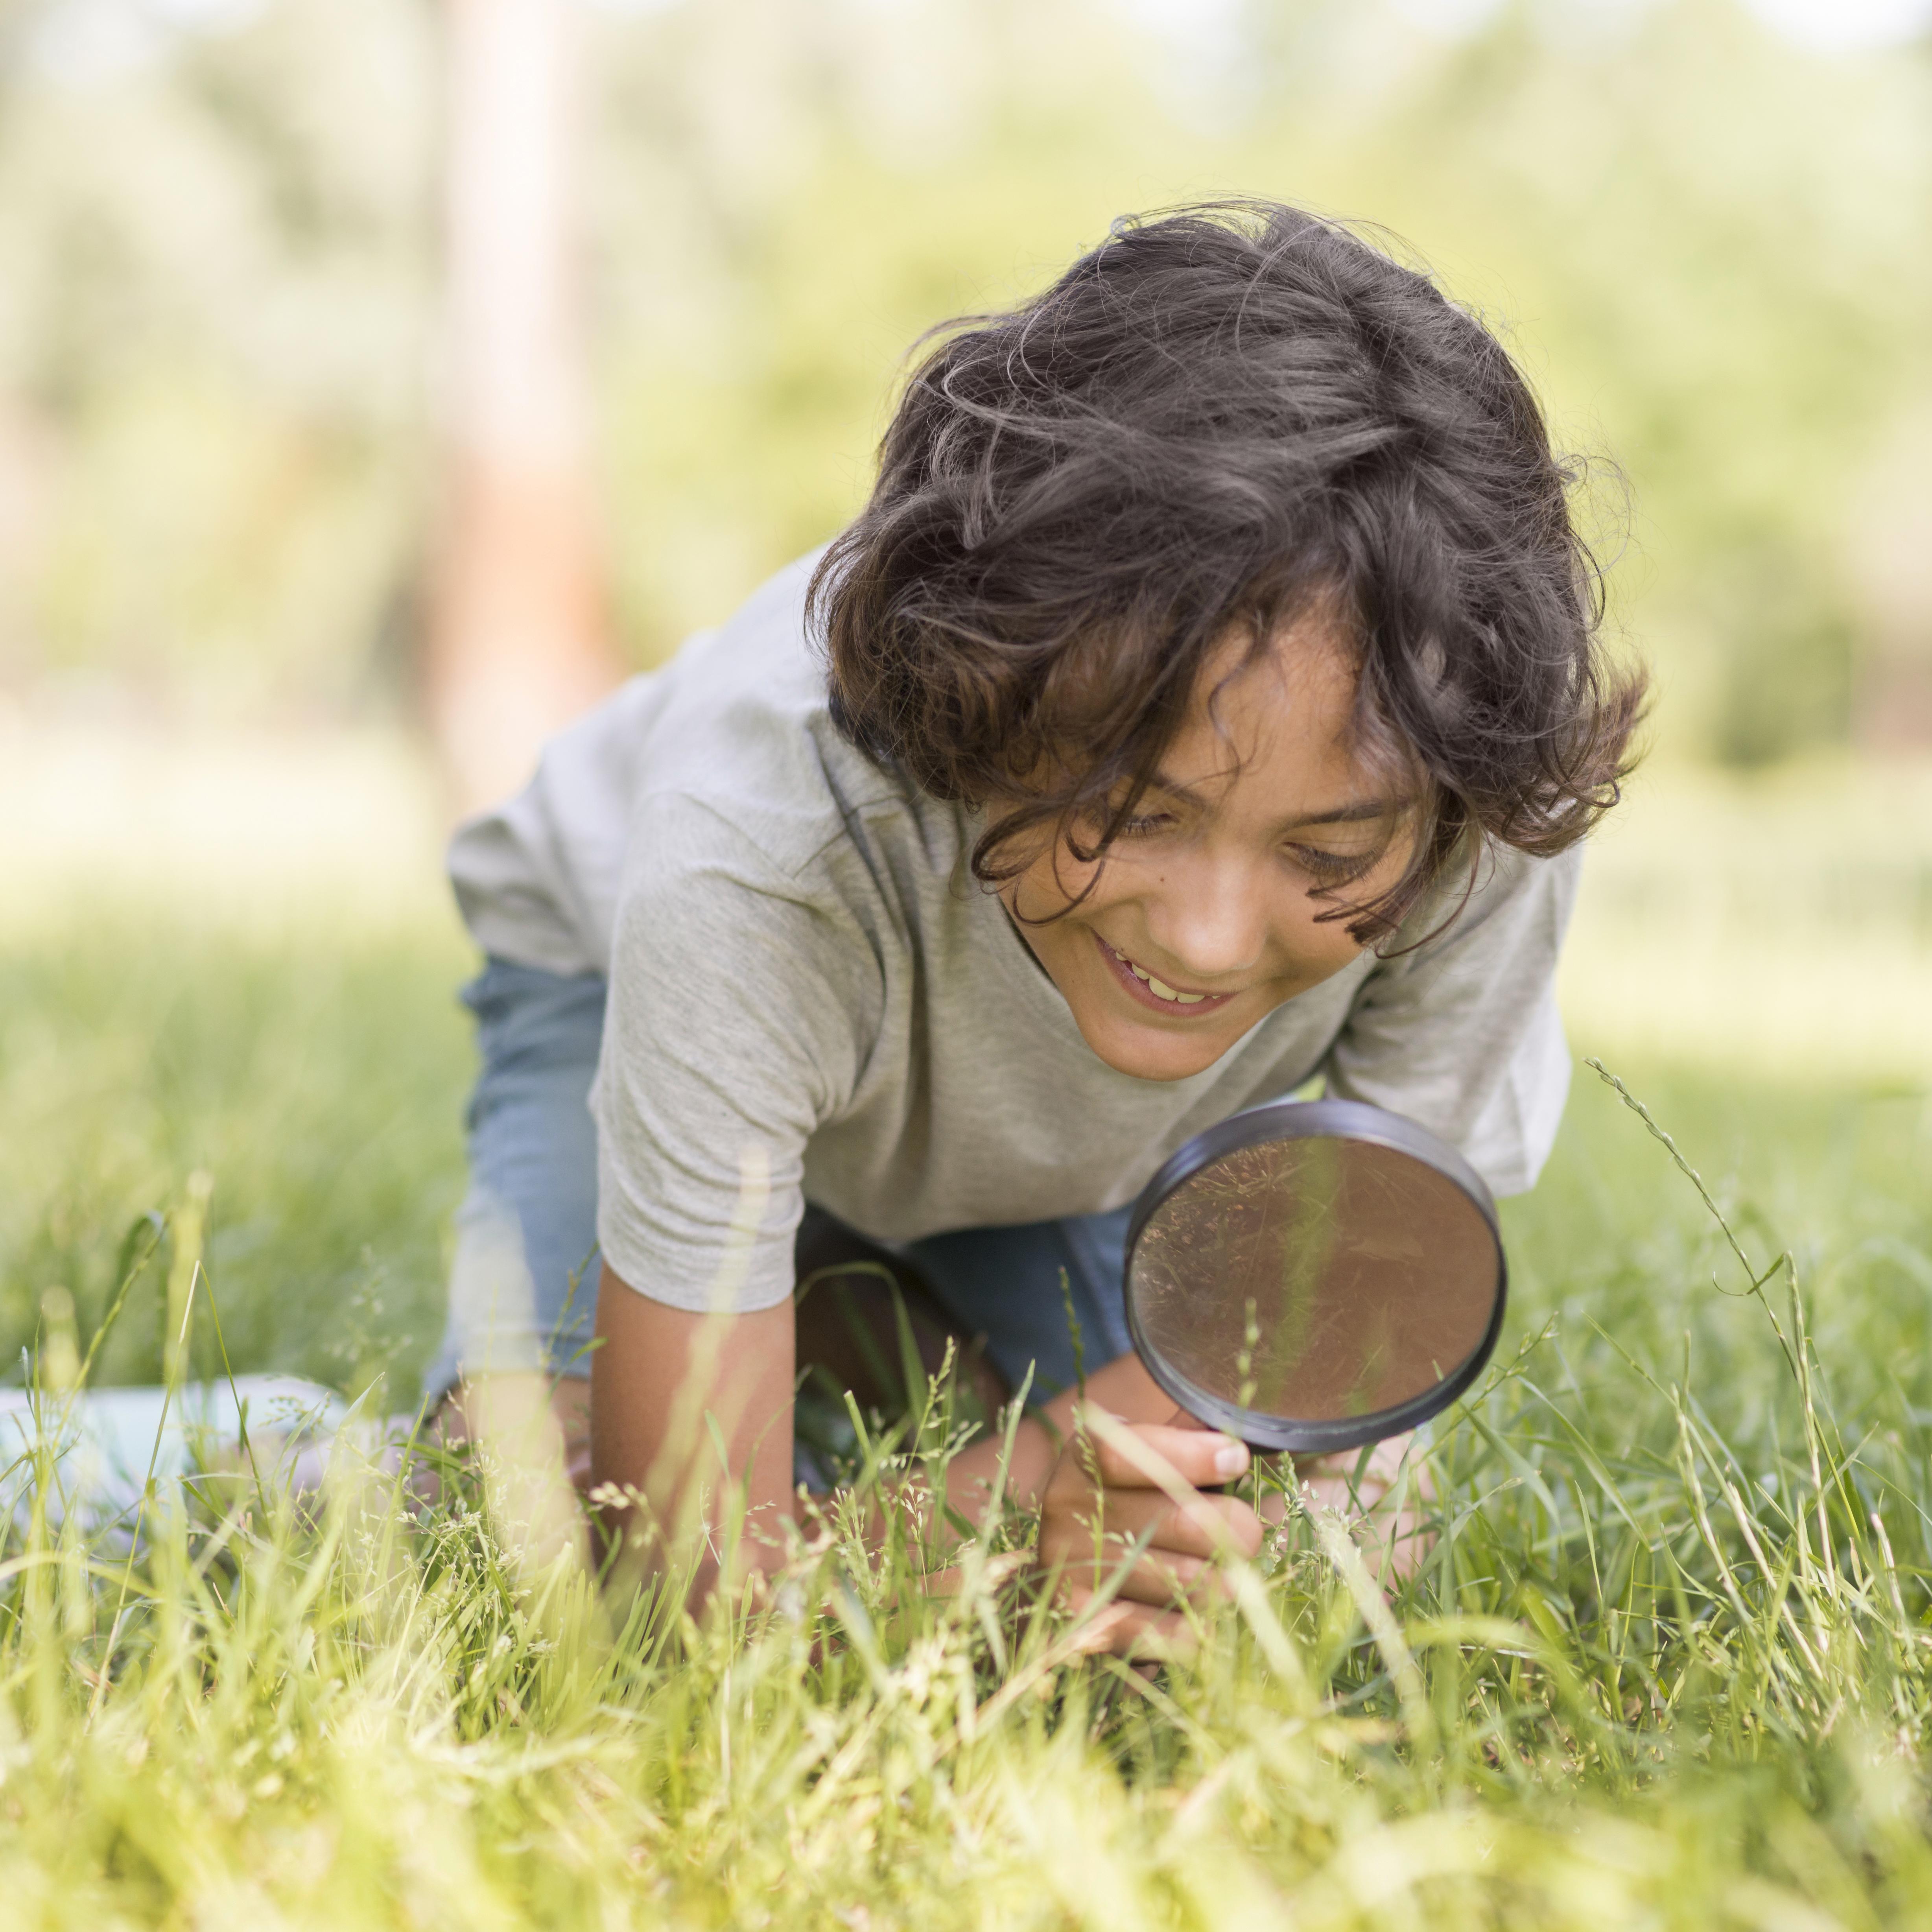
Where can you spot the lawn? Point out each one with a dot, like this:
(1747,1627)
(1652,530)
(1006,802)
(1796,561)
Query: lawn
(1668,1664)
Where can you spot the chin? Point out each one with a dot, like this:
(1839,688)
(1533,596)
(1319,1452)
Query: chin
(1145,1053)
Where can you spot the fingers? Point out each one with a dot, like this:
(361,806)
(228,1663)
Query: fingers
(1348,1480)
(1130,1494)
(1156,1577)
(1389,1500)
(1385,1462)
(1128,1630)
(1152,1454)
(1163,1582)
(1199,1526)
(1170,1554)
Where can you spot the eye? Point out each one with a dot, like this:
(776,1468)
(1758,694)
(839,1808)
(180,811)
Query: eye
(1143,825)
(1332,867)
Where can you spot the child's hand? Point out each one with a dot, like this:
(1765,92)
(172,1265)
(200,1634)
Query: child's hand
(1114,1482)
(1389,1505)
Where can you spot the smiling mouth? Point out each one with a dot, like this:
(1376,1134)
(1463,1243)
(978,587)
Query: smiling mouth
(1152,991)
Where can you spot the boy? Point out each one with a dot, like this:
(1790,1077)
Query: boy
(1208,698)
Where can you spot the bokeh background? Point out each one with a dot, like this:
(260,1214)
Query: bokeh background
(1705,227)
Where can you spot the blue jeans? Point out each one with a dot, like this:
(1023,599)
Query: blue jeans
(523,1287)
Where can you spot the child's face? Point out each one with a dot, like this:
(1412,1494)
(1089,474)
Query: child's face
(1206,893)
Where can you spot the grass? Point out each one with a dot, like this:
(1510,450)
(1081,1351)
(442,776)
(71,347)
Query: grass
(1669,1664)
(318,1077)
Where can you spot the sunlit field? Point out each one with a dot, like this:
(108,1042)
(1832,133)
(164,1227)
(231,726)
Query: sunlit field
(1669,1662)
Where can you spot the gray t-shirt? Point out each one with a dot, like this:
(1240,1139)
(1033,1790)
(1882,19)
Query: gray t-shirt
(811,998)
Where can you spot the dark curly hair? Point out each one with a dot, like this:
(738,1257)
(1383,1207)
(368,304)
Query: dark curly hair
(1224,419)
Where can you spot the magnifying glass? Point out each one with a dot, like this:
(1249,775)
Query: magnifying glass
(1312,1275)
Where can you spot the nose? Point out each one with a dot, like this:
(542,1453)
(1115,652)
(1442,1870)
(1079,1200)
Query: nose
(1208,916)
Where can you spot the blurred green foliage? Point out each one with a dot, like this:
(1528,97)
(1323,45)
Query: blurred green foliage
(216,301)
(318,1072)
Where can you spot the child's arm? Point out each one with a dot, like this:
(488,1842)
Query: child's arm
(660,1377)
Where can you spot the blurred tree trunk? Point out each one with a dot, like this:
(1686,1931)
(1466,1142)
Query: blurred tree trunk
(518,641)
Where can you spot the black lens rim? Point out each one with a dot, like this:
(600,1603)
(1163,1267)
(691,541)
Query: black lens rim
(1308,1120)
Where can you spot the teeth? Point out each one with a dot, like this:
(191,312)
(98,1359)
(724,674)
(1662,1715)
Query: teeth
(1159,988)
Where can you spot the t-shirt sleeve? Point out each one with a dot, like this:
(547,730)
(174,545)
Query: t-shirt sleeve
(536,878)
(1463,1033)
(741,1001)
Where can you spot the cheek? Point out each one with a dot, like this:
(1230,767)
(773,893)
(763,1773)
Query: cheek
(1331,944)
(1057,880)
(1046,900)
(1309,940)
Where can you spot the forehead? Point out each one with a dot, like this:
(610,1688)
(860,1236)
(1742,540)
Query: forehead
(1280,719)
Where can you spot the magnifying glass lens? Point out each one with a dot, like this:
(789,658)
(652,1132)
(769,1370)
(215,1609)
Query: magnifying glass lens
(1314,1289)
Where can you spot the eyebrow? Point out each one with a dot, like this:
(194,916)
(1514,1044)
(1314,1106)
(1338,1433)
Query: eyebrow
(1347,814)
(1353,813)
